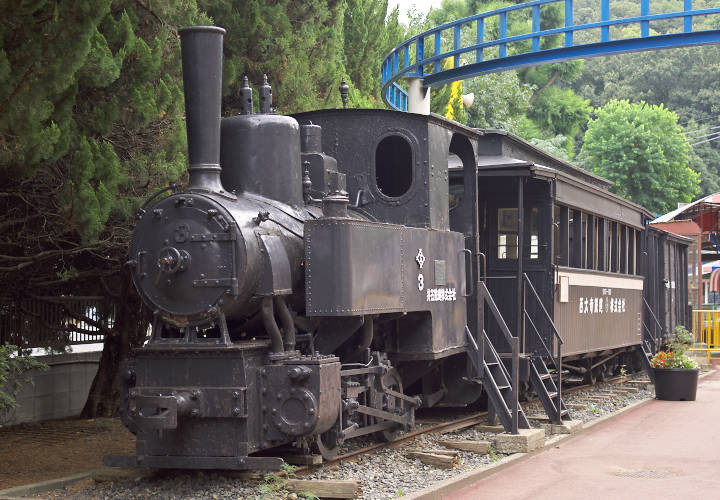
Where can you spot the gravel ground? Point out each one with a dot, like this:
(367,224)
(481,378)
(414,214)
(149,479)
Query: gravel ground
(602,399)
(385,474)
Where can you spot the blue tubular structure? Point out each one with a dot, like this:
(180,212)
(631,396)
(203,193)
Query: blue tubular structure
(395,97)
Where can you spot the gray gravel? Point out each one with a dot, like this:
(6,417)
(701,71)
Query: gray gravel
(385,474)
(601,399)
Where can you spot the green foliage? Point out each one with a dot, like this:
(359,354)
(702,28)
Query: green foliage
(492,455)
(14,371)
(555,146)
(275,485)
(305,48)
(501,101)
(282,39)
(369,34)
(560,112)
(683,340)
(643,151)
(88,88)
(682,79)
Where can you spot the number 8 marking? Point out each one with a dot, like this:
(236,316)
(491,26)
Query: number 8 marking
(421,282)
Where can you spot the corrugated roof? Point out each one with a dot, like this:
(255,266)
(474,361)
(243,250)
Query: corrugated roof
(708,203)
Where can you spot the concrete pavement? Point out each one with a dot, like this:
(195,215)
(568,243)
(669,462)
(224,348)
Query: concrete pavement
(660,450)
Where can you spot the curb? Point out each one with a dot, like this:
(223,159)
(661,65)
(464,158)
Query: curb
(43,486)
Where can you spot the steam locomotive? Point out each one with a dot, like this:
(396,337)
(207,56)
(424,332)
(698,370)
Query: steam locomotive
(290,312)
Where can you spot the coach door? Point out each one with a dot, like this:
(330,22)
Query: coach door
(501,227)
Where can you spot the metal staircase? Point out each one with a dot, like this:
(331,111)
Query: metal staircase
(499,383)
(651,341)
(645,358)
(548,390)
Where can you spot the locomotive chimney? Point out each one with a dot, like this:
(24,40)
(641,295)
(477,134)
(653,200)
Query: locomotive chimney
(202,81)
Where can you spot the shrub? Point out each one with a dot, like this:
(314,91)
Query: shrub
(675,356)
(13,373)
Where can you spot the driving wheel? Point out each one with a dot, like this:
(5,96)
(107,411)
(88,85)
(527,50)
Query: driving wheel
(327,444)
(391,404)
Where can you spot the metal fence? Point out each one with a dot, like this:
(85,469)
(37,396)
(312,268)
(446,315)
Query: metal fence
(55,321)
(706,330)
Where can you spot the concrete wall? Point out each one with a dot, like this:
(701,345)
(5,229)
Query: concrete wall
(59,392)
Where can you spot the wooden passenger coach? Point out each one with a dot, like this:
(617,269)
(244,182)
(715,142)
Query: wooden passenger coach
(590,261)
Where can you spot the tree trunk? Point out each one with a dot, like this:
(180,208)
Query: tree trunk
(128,332)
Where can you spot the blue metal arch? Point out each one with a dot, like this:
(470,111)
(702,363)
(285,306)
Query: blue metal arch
(398,62)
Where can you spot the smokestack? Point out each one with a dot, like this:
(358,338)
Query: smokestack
(202,81)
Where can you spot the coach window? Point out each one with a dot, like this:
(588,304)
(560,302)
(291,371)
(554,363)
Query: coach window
(534,233)
(591,241)
(611,248)
(557,250)
(576,238)
(623,248)
(394,166)
(585,255)
(631,250)
(601,245)
(615,255)
(507,223)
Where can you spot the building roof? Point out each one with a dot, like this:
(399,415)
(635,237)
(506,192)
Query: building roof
(684,227)
(710,203)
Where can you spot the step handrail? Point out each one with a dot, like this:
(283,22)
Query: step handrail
(542,306)
(514,342)
(655,339)
(556,359)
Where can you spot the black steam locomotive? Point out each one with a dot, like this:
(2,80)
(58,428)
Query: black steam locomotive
(288,311)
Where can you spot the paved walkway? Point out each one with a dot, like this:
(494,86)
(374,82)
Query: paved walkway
(660,450)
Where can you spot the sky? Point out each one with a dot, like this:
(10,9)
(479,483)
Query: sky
(420,5)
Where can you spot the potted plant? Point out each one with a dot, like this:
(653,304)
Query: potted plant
(676,374)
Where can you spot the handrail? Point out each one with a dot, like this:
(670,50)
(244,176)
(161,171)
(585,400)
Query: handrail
(547,315)
(496,313)
(537,332)
(514,342)
(655,339)
(556,359)
(398,64)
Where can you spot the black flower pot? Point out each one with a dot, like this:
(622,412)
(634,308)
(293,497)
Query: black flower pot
(676,384)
